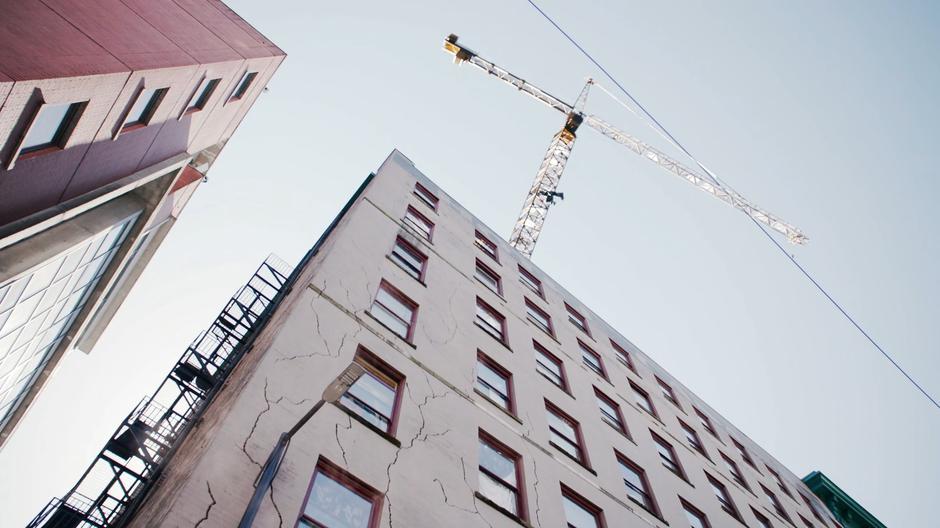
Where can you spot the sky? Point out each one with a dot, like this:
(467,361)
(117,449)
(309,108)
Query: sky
(824,113)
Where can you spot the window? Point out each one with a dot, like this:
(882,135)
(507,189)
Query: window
(668,455)
(779,480)
(668,393)
(409,259)
(610,412)
(144,107)
(745,456)
(487,246)
(243,85)
(375,397)
(494,382)
(734,471)
(638,489)
(539,318)
(550,366)
(775,503)
(426,196)
(565,433)
(806,521)
(706,422)
(529,281)
(692,437)
(762,521)
(577,319)
(201,96)
(695,516)
(579,513)
(489,278)
(812,506)
(623,356)
(724,499)
(394,310)
(501,475)
(418,223)
(643,400)
(51,127)
(592,360)
(491,321)
(338,500)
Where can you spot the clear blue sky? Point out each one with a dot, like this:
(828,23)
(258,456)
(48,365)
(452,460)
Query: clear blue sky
(823,112)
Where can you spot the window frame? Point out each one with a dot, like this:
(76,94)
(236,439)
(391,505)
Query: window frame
(668,393)
(375,365)
(582,457)
(386,286)
(601,370)
(199,99)
(532,307)
(480,266)
(503,331)
(586,505)
(806,522)
(775,504)
(246,80)
(639,391)
(698,445)
(487,246)
(532,281)
(706,422)
(408,247)
(812,508)
(349,481)
(662,442)
(504,373)
(761,518)
(745,455)
(734,470)
(578,320)
(521,501)
(779,480)
(156,99)
(724,497)
(690,509)
(563,381)
(621,424)
(411,226)
(624,357)
(647,492)
(425,196)
(60,139)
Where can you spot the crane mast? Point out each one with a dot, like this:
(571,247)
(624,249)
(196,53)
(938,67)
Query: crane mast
(544,188)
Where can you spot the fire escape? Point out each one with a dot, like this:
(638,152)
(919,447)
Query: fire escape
(116,483)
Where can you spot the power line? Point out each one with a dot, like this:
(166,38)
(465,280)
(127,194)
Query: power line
(790,257)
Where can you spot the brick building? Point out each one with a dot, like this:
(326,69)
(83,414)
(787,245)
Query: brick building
(111,112)
(491,397)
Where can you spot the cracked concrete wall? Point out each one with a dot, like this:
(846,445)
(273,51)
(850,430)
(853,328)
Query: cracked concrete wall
(430,479)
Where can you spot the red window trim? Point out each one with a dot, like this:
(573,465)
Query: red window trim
(668,393)
(502,319)
(60,140)
(637,389)
(736,474)
(510,390)
(487,246)
(777,505)
(761,518)
(579,436)
(706,422)
(806,521)
(430,224)
(588,506)
(675,456)
(499,279)
(395,292)
(698,439)
(561,366)
(523,502)
(745,455)
(812,508)
(419,189)
(532,306)
(411,247)
(600,361)
(626,356)
(687,506)
(779,480)
(538,283)
(654,505)
(369,360)
(577,315)
(622,429)
(715,483)
(350,482)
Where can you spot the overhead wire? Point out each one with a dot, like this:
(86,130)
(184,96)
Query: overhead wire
(663,131)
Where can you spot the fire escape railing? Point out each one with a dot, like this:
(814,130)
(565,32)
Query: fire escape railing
(113,487)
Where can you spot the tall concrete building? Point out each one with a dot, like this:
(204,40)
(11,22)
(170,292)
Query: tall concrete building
(111,112)
(491,397)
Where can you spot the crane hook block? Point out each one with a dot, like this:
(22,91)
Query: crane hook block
(459,52)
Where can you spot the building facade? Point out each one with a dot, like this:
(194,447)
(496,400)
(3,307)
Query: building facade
(111,112)
(848,512)
(491,397)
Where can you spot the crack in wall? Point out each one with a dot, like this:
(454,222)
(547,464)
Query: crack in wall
(267,407)
(339,443)
(205,516)
(527,434)
(280,518)
(452,328)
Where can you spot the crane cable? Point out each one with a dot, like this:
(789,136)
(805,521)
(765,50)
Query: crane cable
(665,133)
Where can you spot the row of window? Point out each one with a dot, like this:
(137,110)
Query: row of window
(398,313)
(51,125)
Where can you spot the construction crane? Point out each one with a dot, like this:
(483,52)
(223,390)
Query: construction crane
(544,189)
